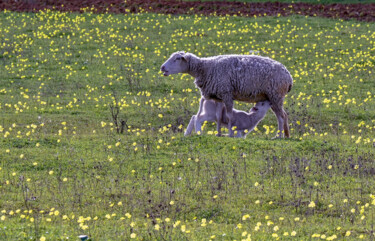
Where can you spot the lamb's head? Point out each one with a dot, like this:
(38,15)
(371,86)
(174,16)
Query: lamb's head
(177,63)
(261,108)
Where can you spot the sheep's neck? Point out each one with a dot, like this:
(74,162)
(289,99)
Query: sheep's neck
(196,67)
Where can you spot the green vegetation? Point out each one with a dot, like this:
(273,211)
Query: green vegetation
(92,133)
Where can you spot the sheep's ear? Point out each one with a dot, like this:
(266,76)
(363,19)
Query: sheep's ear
(186,57)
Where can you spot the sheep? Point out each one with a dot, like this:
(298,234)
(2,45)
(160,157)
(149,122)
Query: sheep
(210,110)
(248,78)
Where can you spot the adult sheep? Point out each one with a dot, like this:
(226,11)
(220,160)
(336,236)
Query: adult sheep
(248,78)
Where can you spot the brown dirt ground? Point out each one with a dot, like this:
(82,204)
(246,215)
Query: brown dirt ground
(362,12)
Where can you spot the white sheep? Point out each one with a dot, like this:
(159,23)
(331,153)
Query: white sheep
(210,110)
(248,78)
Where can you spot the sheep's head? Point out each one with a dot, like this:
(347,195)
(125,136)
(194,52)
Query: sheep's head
(177,63)
(261,107)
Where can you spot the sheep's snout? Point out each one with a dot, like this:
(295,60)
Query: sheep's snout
(164,70)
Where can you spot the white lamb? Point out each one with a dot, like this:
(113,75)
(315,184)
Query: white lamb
(226,78)
(244,122)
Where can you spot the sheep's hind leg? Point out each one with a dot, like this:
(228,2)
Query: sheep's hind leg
(279,112)
(286,125)
(191,125)
(229,108)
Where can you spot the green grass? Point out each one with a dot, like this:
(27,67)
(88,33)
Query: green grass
(65,171)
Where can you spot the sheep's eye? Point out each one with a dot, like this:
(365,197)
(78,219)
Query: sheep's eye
(178,58)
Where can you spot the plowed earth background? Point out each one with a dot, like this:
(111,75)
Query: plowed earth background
(362,12)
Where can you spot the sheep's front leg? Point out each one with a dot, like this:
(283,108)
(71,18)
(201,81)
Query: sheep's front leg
(219,115)
(191,125)
(229,108)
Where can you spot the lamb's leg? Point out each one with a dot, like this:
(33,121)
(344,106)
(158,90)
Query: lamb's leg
(279,112)
(229,108)
(198,124)
(194,121)
(239,134)
(199,119)
(286,125)
(191,125)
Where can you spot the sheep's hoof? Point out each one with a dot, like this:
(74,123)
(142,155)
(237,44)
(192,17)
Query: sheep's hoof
(219,135)
(277,137)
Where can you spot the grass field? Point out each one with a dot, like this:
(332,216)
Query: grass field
(92,133)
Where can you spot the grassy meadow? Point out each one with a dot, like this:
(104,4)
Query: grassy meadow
(92,133)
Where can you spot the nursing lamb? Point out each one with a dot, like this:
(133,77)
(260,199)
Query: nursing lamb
(210,110)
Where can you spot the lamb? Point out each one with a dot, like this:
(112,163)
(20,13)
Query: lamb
(210,110)
(248,78)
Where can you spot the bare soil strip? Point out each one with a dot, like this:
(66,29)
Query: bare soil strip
(362,12)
